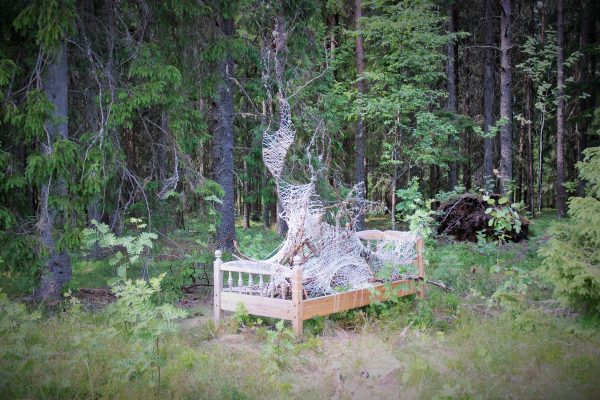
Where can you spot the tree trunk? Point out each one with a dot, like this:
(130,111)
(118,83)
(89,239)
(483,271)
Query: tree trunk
(282,227)
(246,195)
(520,161)
(452,77)
(506,132)
(57,270)
(163,147)
(561,194)
(584,104)
(223,146)
(529,201)
(265,173)
(359,152)
(488,96)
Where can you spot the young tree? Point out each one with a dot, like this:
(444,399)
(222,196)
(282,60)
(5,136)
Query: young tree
(488,94)
(452,77)
(561,195)
(506,111)
(359,169)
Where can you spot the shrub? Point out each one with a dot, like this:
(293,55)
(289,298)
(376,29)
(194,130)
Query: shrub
(572,256)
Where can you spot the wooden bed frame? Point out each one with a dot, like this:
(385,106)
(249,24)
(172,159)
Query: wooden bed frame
(255,296)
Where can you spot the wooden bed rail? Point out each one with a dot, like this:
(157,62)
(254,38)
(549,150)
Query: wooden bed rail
(255,295)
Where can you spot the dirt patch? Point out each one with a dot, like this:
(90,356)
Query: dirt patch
(352,366)
(95,298)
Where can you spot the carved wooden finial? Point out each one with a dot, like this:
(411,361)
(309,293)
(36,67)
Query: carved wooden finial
(218,254)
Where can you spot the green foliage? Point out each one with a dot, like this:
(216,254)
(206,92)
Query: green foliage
(135,312)
(210,194)
(403,69)
(409,198)
(49,21)
(505,218)
(572,256)
(280,343)
(414,210)
(130,249)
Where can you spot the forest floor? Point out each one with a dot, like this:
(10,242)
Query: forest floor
(498,334)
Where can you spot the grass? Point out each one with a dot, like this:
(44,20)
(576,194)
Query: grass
(470,343)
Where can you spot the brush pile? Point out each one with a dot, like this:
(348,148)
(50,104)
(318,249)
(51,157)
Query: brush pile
(463,217)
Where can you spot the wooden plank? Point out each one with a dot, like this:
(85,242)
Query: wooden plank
(256,267)
(257,305)
(372,234)
(353,299)
(398,235)
(297,294)
(217,286)
(421,266)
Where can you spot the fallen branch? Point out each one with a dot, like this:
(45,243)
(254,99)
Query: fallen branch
(241,256)
(440,284)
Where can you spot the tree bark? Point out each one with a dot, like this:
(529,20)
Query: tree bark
(506,112)
(584,104)
(265,173)
(488,96)
(223,145)
(529,201)
(561,194)
(57,271)
(163,147)
(452,78)
(246,189)
(282,227)
(359,149)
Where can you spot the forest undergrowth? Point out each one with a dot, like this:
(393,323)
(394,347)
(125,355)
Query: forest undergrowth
(498,334)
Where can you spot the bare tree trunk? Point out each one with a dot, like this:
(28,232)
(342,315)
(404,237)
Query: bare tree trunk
(584,104)
(280,50)
(163,147)
(541,162)
(530,173)
(282,227)
(359,152)
(264,177)
(223,146)
(488,96)
(520,161)
(561,194)
(452,77)
(247,206)
(542,120)
(394,188)
(57,271)
(506,132)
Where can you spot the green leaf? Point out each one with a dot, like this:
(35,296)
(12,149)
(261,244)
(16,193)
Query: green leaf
(122,271)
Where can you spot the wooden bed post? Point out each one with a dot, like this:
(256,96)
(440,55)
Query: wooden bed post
(297,293)
(421,266)
(218,285)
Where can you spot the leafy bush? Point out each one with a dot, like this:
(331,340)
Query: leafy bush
(504,219)
(130,250)
(414,209)
(410,198)
(572,256)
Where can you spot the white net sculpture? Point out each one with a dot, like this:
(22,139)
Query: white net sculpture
(334,258)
